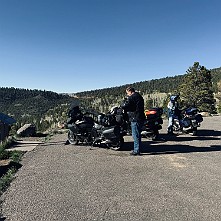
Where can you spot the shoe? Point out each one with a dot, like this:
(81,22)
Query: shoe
(134,154)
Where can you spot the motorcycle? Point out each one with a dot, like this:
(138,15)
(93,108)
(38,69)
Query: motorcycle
(109,130)
(189,121)
(153,123)
(80,131)
(100,129)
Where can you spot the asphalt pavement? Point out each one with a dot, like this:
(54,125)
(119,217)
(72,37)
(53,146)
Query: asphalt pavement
(177,178)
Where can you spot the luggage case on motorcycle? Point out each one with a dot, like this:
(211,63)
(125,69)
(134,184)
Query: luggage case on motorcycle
(154,112)
(85,125)
(111,132)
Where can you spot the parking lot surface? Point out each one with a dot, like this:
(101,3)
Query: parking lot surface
(175,178)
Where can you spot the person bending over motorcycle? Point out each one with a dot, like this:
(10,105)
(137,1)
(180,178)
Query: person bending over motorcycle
(173,112)
(74,114)
(134,106)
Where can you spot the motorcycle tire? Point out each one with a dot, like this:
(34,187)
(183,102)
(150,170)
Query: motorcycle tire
(155,135)
(117,145)
(194,131)
(72,138)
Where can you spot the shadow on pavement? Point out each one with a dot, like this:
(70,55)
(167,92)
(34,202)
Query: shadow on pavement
(214,133)
(201,135)
(172,149)
(161,147)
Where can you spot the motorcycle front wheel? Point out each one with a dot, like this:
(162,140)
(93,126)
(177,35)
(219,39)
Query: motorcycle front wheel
(72,138)
(117,145)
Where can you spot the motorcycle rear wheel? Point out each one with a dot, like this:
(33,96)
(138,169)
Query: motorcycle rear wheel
(155,135)
(194,131)
(117,145)
(72,138)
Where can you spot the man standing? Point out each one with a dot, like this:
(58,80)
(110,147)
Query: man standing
(134,106)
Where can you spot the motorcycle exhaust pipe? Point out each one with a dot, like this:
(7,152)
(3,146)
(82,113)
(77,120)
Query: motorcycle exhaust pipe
(145,133)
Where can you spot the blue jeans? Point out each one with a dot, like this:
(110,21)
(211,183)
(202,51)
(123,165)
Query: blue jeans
(136,134)
(170,123)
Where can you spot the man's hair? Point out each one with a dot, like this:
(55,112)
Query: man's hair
(131,89)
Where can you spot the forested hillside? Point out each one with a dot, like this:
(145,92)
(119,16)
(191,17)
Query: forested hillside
(45,108)
(153,89)
(31,106)
(163,85)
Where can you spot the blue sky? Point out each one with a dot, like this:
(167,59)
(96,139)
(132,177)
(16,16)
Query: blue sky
(79,45)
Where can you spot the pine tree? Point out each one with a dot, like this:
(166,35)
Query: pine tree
(219,96)
(196,90)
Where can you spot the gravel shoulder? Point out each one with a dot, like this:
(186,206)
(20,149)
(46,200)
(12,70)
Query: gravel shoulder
(176,178)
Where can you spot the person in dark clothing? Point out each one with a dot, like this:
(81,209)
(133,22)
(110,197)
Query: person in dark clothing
(74,114)
(134,106)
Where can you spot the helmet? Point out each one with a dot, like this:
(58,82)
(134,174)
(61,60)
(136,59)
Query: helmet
(174,98)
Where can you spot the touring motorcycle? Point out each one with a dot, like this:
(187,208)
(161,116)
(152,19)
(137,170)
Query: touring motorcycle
(110,129)
(153,123)
(189,121)
(97,129)
(80,127)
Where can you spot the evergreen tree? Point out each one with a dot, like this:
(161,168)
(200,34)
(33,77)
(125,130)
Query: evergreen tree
(196,90)
(219,96)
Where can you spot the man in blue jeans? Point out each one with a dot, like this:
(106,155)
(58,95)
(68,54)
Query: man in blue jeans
(134,106)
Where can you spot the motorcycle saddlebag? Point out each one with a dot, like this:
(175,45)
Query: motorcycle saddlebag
(151,114)
(199,118)
(111,132)
(154,113)
(85,125)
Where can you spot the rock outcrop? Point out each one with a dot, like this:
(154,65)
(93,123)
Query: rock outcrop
(28,130)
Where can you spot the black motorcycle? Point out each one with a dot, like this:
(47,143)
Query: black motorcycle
(80,126)
(188,122)
(153,123)
(80,131)
(96,129)
(109,130)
